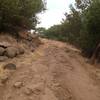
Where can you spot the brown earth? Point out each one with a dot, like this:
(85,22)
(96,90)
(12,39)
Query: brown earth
(55,71)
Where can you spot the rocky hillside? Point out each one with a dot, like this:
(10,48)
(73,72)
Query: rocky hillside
(10,49)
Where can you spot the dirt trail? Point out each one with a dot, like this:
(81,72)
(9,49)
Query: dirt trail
(55,71)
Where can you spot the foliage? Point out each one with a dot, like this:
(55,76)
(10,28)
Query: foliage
(41,31)
(81,26)
(91,23)
(16,15)
(55,32)
(83,4)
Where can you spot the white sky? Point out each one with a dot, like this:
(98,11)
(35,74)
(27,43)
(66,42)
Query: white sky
(54,13)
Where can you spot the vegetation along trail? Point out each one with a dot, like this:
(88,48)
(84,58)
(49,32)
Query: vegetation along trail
(55,71)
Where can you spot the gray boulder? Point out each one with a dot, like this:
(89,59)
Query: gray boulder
(11,52)
(2,50)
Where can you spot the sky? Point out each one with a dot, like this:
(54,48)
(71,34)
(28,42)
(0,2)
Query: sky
(54,13)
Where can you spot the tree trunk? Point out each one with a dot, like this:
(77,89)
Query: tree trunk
(95,54)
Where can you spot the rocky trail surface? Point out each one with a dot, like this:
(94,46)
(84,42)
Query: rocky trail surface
(55,71)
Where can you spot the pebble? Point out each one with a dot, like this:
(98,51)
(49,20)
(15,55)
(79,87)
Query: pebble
(18,84)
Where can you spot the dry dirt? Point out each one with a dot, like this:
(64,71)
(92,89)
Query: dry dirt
(55,71)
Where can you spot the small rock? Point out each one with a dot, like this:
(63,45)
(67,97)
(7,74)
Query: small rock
(56,85)
(4,79)
(21,50)
(18,84)
(28,91)
(3,58)
(10,66)
(2,50)
(36,89)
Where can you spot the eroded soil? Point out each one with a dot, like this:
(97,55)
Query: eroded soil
(55,71)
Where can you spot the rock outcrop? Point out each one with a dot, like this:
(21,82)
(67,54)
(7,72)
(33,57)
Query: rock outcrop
(9,51)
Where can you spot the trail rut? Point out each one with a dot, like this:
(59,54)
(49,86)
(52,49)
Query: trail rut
(55,71)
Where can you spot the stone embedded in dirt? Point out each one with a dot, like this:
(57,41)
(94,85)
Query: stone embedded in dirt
(18,84)
(21,50)
(36,89)
(9,97)
(10,66)
(4,79)
(3,58)
(56,85)
(28,91)
(11,52)
(2,50)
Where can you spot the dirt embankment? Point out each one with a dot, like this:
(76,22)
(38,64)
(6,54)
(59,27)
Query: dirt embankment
(55,71)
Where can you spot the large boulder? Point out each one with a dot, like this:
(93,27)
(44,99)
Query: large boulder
(2,50)
(11,52)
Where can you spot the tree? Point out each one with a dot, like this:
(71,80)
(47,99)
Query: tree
(72,25)
(91,22)
(81,27)
(16,15)
(69,29)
